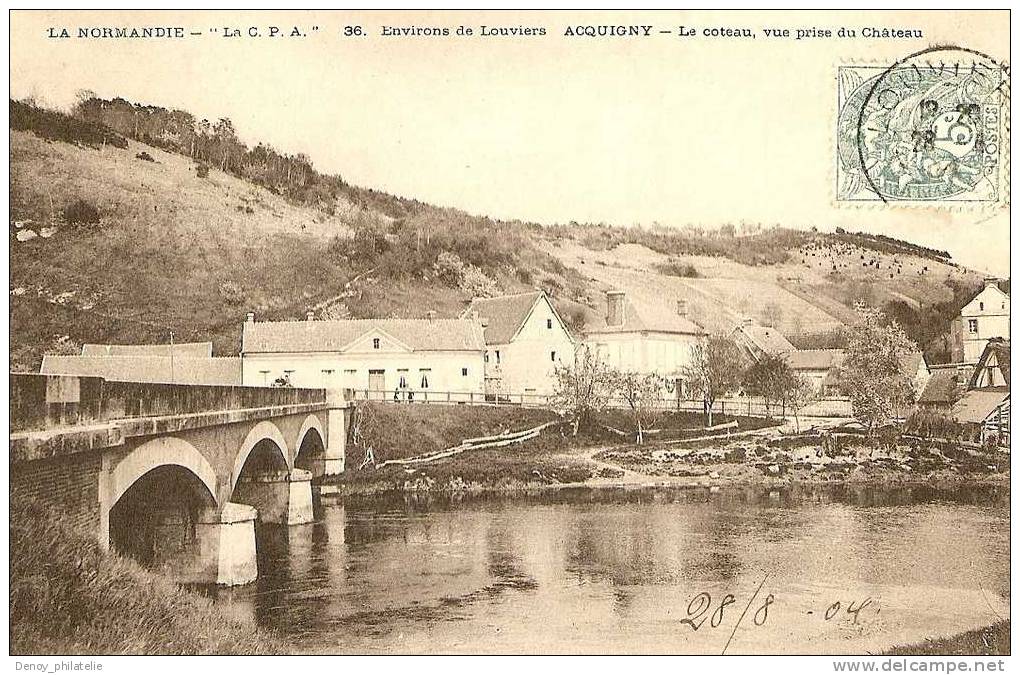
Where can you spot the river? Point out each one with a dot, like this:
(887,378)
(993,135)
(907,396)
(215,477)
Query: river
(745,570)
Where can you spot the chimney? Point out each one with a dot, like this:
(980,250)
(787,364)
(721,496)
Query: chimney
(747,322)
(681,307)
(310,316)
(615,303)
(484,322)
(430,315)
(249,317)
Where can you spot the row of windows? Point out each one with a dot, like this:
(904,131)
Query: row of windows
(552,356)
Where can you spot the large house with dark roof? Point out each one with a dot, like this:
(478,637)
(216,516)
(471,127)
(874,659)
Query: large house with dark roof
(525,339)
(403,359)
(659,342)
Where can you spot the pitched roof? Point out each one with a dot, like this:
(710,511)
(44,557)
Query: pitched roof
(943,386)
(636,321)
(815,359)
(504,314)
(766,338)
(999,347)
(330,336)
(194,349)
(977,404)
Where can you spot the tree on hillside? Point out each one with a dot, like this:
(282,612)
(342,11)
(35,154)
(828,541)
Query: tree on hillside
(873,374)
(642,393)
(583,388)
(715,368)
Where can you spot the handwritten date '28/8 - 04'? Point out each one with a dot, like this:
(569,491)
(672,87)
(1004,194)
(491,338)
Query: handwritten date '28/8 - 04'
(699,610)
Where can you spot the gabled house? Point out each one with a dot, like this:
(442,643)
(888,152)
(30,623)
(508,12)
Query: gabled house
(401,359)
(658,342)
(756,340)
(986,316)
(820,367)
(525,339)
(984,408)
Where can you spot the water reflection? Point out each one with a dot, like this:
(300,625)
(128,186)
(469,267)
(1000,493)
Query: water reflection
(616,571)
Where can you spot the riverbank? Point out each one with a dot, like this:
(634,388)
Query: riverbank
(404,440)
(744,451)
(67,596)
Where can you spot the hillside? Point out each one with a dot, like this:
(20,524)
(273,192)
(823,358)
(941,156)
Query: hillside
(116,240)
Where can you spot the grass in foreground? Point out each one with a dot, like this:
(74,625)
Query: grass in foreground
(988,641)
(69,597)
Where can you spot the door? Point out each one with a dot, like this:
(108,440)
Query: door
(377,384)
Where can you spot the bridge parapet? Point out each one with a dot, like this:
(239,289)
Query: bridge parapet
(41,402)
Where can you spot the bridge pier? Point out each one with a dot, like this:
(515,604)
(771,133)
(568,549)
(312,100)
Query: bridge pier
(337,408)
(281,497)
(224,549)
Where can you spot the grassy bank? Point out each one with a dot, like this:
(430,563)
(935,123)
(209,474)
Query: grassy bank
(69,597)
(557,456)
(988,641)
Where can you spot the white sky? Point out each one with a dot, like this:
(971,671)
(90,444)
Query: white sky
(546,129)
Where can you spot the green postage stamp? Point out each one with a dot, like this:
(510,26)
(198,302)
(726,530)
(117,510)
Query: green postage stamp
(931,129)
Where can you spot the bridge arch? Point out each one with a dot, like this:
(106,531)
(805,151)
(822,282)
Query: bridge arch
(159,452)
(311,443)
(256,438)
(158,494)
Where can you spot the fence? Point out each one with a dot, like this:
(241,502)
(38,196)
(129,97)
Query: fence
(750,407)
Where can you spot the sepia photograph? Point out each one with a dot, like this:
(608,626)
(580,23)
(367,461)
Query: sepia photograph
(510,332)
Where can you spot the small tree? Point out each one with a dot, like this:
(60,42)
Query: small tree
(715,368)
(797,394)
(873,374)
(583,388)
(642,392)
(770,378)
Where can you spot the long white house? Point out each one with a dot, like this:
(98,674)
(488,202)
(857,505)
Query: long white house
(525,339)
(379,358)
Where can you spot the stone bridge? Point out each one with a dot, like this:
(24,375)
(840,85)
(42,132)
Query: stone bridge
(174,475)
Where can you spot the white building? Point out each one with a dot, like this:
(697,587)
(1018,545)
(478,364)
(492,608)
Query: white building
(525,339)
(983,318)
(379,358)
(658,342)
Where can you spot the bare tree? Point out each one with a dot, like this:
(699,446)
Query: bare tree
(642,392)
(715,368)
(583,388)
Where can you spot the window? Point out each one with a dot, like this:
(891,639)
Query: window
(972,325)
(497,356)
(486,357)
(402,374)
(552,356)
(548,324)
(463,372)
(981,306)
(425,372)
(375,343)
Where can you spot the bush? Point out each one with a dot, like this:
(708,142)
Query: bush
(934,424)
(678,269)
(80,212)
(202,171)
(144,156)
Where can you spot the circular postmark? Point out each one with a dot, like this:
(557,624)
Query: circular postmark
(928,128)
